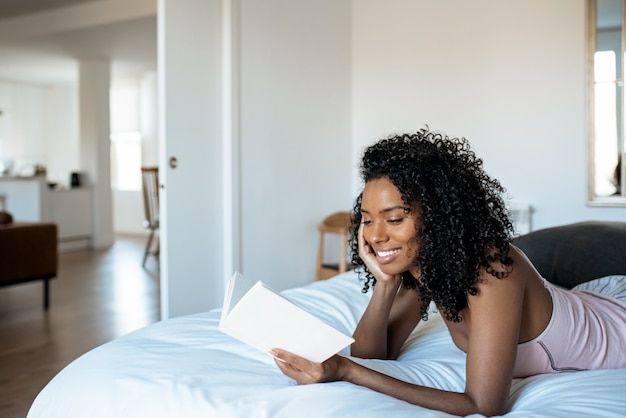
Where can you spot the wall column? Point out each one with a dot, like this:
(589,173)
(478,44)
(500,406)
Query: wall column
(94,140)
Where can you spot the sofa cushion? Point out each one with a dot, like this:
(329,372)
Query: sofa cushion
(28,252)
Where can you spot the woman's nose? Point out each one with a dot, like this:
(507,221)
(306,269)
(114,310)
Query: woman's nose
(378,233)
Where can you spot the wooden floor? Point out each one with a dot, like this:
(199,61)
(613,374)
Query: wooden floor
(98,295)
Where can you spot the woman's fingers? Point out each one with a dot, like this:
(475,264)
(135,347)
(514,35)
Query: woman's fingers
(361,241)
(290,371)
(299,369)
(365,250)
(291,359)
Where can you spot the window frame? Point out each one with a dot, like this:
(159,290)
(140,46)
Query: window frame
(591,36)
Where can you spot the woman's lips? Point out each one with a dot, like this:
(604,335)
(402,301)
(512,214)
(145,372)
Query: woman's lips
(387,256)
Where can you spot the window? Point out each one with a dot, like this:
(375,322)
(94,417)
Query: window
(606,103)
(126,137)
(126,161)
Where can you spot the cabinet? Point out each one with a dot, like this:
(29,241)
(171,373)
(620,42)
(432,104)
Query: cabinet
(29,199)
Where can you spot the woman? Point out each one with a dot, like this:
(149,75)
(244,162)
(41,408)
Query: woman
(431,226)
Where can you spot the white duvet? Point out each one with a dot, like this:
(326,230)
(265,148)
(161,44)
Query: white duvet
(186,367)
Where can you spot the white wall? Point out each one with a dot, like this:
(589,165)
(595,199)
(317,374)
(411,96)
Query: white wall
(95,145)
(62,145)
(507,75)
(295,132)
(39,125)
(22,129)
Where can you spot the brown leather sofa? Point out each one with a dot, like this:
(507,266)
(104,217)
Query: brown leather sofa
(28,251)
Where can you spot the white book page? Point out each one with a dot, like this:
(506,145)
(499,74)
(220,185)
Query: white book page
(264,320)
(236,288)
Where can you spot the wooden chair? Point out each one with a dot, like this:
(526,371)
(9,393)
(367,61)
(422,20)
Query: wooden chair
(150,186)
(338,224)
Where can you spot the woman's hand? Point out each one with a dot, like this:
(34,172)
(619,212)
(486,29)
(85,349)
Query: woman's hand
(305,372)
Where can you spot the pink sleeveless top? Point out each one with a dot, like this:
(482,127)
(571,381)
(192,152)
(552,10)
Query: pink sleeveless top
(587,331)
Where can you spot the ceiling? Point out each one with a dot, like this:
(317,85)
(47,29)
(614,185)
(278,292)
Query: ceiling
(130,46)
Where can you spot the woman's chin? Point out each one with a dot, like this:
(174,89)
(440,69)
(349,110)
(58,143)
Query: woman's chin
(392,270)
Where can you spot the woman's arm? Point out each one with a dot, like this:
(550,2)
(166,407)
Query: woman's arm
(391,315)
(342,368)
(493,324)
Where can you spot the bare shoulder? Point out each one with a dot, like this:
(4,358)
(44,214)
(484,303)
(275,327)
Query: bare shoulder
(524,292)
(521,268)
(502,278)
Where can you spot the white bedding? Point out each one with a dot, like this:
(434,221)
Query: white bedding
(185,367)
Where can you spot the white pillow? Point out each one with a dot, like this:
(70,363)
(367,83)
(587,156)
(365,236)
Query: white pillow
(614,286)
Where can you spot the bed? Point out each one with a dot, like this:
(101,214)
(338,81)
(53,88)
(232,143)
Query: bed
(186,367)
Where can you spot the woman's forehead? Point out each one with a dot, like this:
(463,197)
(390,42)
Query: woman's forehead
(381,193)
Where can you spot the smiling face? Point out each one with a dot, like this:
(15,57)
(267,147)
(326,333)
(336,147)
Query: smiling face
(389,227)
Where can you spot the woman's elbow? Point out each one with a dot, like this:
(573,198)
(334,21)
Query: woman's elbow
(490,409)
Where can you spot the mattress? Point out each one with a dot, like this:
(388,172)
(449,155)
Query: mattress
(186,367)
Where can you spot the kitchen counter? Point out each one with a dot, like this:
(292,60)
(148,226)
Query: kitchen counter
(29,199)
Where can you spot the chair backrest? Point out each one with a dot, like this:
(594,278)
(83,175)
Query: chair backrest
(336,223)
(150,185)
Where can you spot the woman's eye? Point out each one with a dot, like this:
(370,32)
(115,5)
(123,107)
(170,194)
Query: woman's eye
(364,222)
(395,221)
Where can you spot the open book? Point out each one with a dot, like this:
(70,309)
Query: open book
(263,319)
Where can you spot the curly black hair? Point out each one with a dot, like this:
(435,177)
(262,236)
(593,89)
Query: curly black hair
(465,225)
